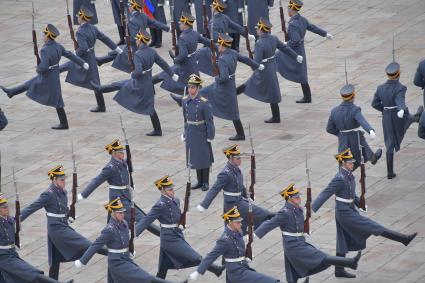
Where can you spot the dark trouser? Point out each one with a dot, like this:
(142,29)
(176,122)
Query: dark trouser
(240,89)
(390,165)
(236,39)
(203,177)
(155,122)
(167,264)
(100,100)
(63,121)
(121,33)
(240,134)
(306,92)
(156,37)
(275,112)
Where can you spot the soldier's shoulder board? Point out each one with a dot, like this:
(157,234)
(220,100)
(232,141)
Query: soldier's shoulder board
(185,97)
(203,99)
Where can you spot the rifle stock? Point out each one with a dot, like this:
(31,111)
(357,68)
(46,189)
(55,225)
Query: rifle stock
(182,221)
(71,29)
(282,21)
(362,203)
(253,166)
(173,30)
(308,200)
(74,186)
(34,38)
(248,44)
(127,35)
(205,20)
(17,212)
(248,249)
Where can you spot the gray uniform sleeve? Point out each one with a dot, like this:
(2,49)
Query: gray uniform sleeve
(219,249)
(221,181)
(203,40)
(358,116)
(209,121)
(330,190)
(248,61)
(156,24)
(223,74)
(104,175)
(44,62)
(183,52)
(138,67)
(44,199)
(235,26)
(71,56)
(82,45)
(419,79)
(294,36)
(105,39)
(376,102)
(144,223)
(102,240)
(161,62)
(279,219)
(400,100)
(316,29)
(286,49)
(331,126)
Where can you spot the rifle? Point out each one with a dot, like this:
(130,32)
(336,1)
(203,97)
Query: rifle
(248,249)
(130,187)
(74,186)
(248,44)
(34,37)
(205,19)
(71,30)
(282,21)
(213,48)
(17,212)
(253,167)
(173,30)
(308,201)
(362,203)
(182,221)
(127,35)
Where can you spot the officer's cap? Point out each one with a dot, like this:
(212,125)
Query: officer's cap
(3,201)
(290,192)
(295,4)
(164,183)
(195,80)
(187,19)
(143,36)
(219,5)
(393,71)
(51,31)
(225,40)
(115,145)
(115,205)
(232,215)
(232,150)
(264,25)
(345,156)
(85,12)
(136,4)
(56,172)
(347,92)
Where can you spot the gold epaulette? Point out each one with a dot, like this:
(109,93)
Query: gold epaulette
(204,99)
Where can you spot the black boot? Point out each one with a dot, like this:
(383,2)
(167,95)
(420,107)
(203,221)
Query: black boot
(236,39)
(418,114)
(11,92)
(159,280)
(104,88)
(376,156)
(342,261)
(240,134)
(216,269)
(240,89)
(153,37)
(205,179)
(340,271)
(63,121)
(399,237)
(390,166)
(306,94)
(199,178)
(177,98)
(158,38)
(121,33)
(41,278)
(157,132)
(54,271)
(162,272)
(100,102)
(275,114)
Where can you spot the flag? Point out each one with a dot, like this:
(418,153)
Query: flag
(149,9)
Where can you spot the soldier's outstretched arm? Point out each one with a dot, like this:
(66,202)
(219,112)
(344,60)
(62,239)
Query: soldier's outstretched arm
(248,61)
(203,40)
(358,116)
(152,23)
(330,190)
(104,238)
(279,219)
(153,215)
(219,249)
(400,100)
(105,39)
(237,27)
(104,175)
(315,29)
(71,56)
(286,49)
(164,65)
(376,102)
(44,200)
(209,121)
(221,181)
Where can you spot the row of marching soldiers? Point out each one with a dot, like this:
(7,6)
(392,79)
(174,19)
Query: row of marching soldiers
(240,214)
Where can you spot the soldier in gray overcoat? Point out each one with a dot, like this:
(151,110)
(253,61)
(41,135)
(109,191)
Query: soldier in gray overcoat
(199,131)
(345,122)
(419,79)
(45,88)
(116,174)
(421,127)
(301,258)
(234,11)
(230,180)
(3,120)
(222,93)
(352,228)
(76,5)
(87,34)
(138,93)
(175,252)
(121,267)
(159,15)
(264,86)
(14,269)
(64,243)
(288,67)
(180,6)
(199,13)
(115,5)
(232,247)
(257,9)
(389,99)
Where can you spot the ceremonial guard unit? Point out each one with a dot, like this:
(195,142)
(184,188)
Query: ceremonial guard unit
(220,26)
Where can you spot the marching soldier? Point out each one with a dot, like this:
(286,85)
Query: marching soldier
(230,180)
(175,252)
(301,258)
(180,6)
(199,12)
(352,229)
(232,247)
(264,86)
(116,12)
(87,34)
(12,267)
(3,120)
(222,93)
(76,5)
(345,122)
(288,67)
(389,99)
(257,9)
(421,127)
(116,174)
(159,15)
(199,131)
(138,94)
(64,243)
(234,11)
(121,267)
(419,79)
(185,61)
(45,88)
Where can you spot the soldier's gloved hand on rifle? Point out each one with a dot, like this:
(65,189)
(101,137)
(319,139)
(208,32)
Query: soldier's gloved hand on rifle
(71,220)
(209,140)
(329,36)
(372,134)
(80,197)
(133,255)
(240,10)
(300,59)
(261,67)
(175,77)
(200,208)
(193,276)
(78,263)
(167,3)
(251,37)
(182,137)
(400,113)
(363,210)
(118,50)
(86,66)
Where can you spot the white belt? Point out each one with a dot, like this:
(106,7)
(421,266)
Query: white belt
(231,76)
(55,215)
(267,59)
(53,66)
(118,187)
(350,130)
(90,49)
(160,5)
(146,71)
(168,225)
(390,107)
(232,194)
(197,123)
(7,247)
(114,251)
(190,55)
(238,259)
(293,234)
(344,200)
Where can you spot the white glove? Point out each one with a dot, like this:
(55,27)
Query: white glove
(261,67)
(175,77)
(167,3)
(193,276)
(80,197)
(209,140)
(133,255)
(372,134)
(251,37)
(118,50)
(363,210)
(71,220)
(400,113)
(329,36)
(240,10)
(300,59)
(108,2)
(78,263)
(86,66)
(182,137)
(200,208)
